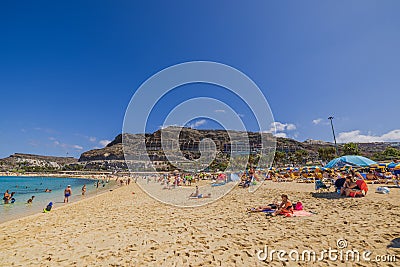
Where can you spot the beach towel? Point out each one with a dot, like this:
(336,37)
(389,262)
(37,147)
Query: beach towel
(296,213)
(218,184)
(268,211)
(301,213)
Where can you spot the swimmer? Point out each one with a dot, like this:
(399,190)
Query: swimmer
(30,200)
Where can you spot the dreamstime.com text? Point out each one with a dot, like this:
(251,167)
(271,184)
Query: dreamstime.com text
(341,253)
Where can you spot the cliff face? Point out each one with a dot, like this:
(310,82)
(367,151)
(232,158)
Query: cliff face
(188,142)
(190,146)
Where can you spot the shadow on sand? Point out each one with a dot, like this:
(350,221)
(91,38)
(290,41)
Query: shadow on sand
(326,195)
(392,186)
(395,243)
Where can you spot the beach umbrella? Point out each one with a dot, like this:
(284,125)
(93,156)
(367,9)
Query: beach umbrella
(356,161)
(393,165)
(397,167)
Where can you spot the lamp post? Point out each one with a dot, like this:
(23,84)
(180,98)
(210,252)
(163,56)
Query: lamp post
(334,137)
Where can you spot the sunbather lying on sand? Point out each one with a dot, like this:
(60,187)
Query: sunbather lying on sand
(272,206)
(197,194)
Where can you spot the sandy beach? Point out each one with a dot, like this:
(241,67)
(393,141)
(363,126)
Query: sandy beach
(120,228)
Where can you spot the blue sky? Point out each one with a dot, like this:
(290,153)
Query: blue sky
(68,69)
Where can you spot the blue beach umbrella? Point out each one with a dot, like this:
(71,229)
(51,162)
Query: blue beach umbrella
(393,165)
(350,160)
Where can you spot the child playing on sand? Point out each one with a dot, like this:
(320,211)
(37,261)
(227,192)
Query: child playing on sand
(48,207)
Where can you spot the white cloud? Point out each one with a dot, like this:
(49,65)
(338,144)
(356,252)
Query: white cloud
(317,121)
(280,127)
(198,123)
(104,142)
(284,135)
(219,111)
(77,147)
(92,139)
(65,146)
(46,130)
(357,137)
(166,126)
(290,127)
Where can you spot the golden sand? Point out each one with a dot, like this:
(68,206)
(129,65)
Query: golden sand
(119,228)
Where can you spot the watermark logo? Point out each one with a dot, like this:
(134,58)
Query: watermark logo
(341,243)
(172,145)
(341,253)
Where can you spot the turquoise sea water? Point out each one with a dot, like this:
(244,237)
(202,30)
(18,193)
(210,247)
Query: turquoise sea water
(26,187)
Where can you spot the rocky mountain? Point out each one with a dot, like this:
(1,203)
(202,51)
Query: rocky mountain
(185,140)
(189,144)
(30,161)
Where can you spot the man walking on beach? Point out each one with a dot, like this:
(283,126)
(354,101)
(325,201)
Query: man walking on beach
(67,193)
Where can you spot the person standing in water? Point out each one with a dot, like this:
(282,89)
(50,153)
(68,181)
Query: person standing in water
(83,189)
(30,200)
(67,193)
(6,197)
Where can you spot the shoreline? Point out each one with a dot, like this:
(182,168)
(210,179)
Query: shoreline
(78,197)
(65,205)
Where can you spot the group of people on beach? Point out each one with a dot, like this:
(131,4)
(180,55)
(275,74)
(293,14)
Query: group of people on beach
(351,185)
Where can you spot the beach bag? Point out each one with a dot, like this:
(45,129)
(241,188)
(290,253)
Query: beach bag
(299,206)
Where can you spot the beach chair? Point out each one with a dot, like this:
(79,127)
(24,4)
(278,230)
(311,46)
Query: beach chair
(319,186)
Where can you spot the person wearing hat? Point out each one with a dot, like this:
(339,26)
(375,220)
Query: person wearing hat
(67,193)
